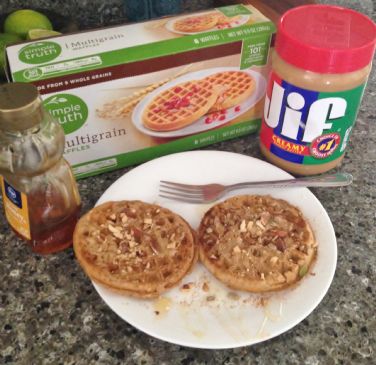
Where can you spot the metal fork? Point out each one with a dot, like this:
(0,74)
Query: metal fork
(198,194)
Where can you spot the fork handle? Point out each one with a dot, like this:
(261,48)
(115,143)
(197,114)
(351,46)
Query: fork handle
(332,180)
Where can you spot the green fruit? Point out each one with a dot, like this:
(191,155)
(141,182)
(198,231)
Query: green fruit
(6,39)
(41,33)
(21,22)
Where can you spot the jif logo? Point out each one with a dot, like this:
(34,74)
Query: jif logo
(320,113)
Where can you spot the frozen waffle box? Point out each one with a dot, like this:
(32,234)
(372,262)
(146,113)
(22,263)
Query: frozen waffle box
(130,93)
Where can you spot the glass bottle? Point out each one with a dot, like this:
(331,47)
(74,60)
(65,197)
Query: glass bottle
(40,194)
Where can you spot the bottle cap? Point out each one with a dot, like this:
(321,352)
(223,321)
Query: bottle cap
(326,39)
(20,106)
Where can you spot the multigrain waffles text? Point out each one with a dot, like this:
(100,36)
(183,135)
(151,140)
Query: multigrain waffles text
(183,104)
(138,248)
(256,243)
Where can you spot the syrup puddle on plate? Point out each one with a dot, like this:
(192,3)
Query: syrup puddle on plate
(194,322)
(162,305)
(269,316)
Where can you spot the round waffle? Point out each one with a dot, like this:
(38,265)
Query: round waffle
(196,23)
(256,243)
(237,86)
(134,247)
(180,105)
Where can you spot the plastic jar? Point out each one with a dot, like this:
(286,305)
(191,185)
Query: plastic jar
(320,66)
(40,195)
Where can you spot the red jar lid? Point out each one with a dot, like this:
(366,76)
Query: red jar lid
(326,38)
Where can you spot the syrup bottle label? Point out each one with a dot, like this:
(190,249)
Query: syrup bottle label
(16,209)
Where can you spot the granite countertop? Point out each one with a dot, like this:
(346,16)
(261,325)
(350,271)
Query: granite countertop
(51,314)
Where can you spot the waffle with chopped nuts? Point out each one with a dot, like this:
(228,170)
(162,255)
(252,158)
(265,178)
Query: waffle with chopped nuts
(196,23)
(134,247)
(256,243)
(237,86)
(180,105)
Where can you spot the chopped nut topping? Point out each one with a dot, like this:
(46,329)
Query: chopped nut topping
(281,233)
(243,226)
(113,267)
(124,218)
(132,244)
(274,260)
(303,270)
(280,278)
(112,228)
(187,286)
(260,225)
(148,221)
(265,217)
(280,244)
(250,226)
(113,216)
(236,249)
(289,275)
(116,231)
(154,245)
(171,245)
(269,234)
(205,287)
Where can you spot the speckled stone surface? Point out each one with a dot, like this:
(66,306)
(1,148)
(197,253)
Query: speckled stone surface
(91,13)
(51,314)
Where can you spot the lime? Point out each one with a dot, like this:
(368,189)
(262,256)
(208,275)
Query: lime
(9,38)
(6,39)
(21,22)
(41,33)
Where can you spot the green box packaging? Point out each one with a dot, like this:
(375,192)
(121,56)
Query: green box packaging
(130,93)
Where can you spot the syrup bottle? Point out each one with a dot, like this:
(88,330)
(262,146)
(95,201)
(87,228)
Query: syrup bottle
(40,195)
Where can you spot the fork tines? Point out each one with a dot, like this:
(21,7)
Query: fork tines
(181,192)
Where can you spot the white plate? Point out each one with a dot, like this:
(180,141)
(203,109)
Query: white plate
(200,125)
(170,24)
(224,322)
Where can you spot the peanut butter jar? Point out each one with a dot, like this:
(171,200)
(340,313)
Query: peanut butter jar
(320,66)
